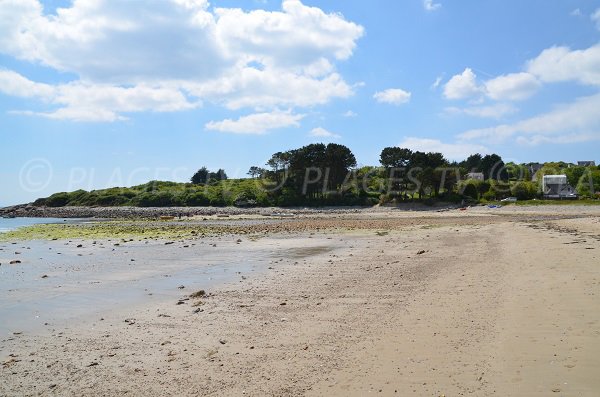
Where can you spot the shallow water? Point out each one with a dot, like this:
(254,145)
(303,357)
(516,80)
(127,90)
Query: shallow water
(8,224)
(58,283)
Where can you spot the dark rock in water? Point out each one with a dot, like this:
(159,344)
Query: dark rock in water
(181,287)
(45,276)
(79,245)
(421,252)
(15,262)
(198,294)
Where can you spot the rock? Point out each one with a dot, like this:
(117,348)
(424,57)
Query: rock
(79,245)
(222,341)
(181,287)
(130,321)
(283,304)
(45,276)
(421,252)
(15,262)
(198,294)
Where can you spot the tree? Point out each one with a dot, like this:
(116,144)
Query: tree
(200,177)
(472,163)
(220,175)
(338,162)
(279,164)
(255,171)
(574,174)
(395,157)
(396,160)
(524,190)
(492,167)
(589,184)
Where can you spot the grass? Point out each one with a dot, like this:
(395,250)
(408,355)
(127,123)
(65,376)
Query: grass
(557,202)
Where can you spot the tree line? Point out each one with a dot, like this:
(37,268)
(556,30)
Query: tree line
(319,174)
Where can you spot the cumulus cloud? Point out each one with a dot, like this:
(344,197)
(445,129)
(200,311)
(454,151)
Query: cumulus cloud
(321,132)
(81,101)
(451,151)
(393,96)
(462,86)
(350,113)
(255,59)
(512,87)
(559,64)
(429,5)
(258,123)
(579,118)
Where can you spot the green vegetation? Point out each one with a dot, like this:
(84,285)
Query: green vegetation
(326,175)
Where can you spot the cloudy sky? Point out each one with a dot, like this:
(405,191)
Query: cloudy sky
(97,93)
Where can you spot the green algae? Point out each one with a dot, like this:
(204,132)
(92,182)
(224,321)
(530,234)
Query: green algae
(115,229)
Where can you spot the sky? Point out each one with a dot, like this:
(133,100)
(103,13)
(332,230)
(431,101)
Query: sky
(99,93)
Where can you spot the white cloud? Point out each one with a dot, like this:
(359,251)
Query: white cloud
(512,87)
(254,88)
(451,151)
(258,123)
(437,82)
(580,118)
(429,5)
(462,86)
(298,36)
(596,18)
(350,113)
(559,64)
(496,111)
(393,96)
(535,140)
(12,83)
(88,102)
(321,132)
(576,13)
(258,59)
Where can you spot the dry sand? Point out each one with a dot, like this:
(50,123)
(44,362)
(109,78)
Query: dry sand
(478,302)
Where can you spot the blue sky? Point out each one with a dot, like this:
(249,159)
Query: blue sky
(100,93)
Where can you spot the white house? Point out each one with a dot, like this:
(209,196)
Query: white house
(557,187)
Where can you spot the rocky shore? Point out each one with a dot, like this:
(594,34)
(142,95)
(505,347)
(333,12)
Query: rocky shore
(28,210)
(31,211)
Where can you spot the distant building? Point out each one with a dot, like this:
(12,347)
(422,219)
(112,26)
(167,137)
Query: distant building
(478,176)
(533,169)
(557,187)
(586,163)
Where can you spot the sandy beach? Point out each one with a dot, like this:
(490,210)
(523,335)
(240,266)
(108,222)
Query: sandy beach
(453,302)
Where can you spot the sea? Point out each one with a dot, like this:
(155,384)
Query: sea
(8,224)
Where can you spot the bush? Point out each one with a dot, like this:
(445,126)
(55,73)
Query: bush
(490,195)
(58,200)
(524,190)
(196,200)
(470,190)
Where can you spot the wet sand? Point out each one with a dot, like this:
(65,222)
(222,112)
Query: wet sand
(481,302)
